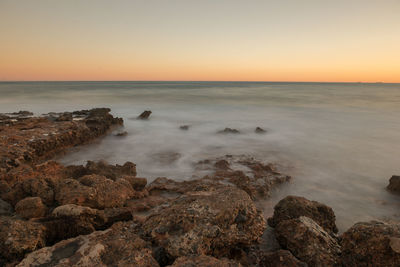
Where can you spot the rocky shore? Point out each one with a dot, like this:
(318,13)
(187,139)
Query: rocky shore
(104,215)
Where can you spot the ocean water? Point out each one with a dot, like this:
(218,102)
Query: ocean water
(339,141)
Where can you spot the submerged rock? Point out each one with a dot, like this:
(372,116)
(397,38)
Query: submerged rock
(121,134)
(308,242)
(228,131)
(144,115)
(184,127)
(117,246)
(292,207)
(371,244)
(205,222)
(31,207)
(394,184)
(103,168)
(260,130)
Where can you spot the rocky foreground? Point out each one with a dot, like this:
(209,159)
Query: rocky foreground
(104,215)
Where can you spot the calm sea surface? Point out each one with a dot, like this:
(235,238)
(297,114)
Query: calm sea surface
(340,142)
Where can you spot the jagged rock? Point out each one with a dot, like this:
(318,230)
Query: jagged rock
(66,116)
(184,127)
(144,115)
(203,261)
(18,237)
(308,242)
(94,191)
(5,208)
(202,221)
(292,207)
(260,130)
(371,244)
(394,184)
(229,131)
(117,246)
(280,258)
(31,207)
(103,168)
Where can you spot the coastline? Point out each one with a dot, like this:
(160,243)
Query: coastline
(214,220)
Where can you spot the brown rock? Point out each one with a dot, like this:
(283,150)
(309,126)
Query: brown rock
(137,183)
(292,207)
(18,237)
(31,207)
(394,184)
(371,244)
(117,246)
(222,165)
(280,258)
(205,222)
(94,191)
(308,242)
(144,115)
(203,261)
(112,172)
(121,134)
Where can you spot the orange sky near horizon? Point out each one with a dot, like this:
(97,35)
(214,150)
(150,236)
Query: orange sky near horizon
(335,41)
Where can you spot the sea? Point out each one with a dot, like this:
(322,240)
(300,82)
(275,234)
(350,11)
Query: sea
(339,141)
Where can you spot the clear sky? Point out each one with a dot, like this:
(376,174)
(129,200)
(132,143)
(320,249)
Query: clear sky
(282,40)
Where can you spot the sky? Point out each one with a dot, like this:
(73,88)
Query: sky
(205,40)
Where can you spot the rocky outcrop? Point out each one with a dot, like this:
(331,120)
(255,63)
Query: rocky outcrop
(205,222)
(292,207)
(29,140)
(31,207)
(260,130)
(308,241)
(101,167)
(371,244)
(18,237)
(203,261)
(144,115)
(117,246)
(394,184)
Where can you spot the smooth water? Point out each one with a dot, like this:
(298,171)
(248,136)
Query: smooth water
(340,142)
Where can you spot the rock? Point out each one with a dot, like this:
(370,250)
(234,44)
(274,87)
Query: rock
(121,134)
(66,116)
(113,215)
(222,165)
(260,130)
(5,208)
(184,127)
(203,261)
(18,237)
(292,207)
(117,246)
(210,222)
(394,184)
(280,258)
(371,244)
(229,131)
(71,220)
(144,115)
(137,183)
(31,207)
(22,113)
(94,191)
(103,168)
(308,241)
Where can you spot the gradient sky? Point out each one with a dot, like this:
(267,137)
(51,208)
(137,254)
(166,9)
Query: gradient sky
(282,40)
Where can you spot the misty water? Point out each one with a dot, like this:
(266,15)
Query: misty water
(340,142)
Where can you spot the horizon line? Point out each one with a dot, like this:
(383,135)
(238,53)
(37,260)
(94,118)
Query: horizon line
(378,82)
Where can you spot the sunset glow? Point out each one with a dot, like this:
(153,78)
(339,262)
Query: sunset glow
(349,41)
